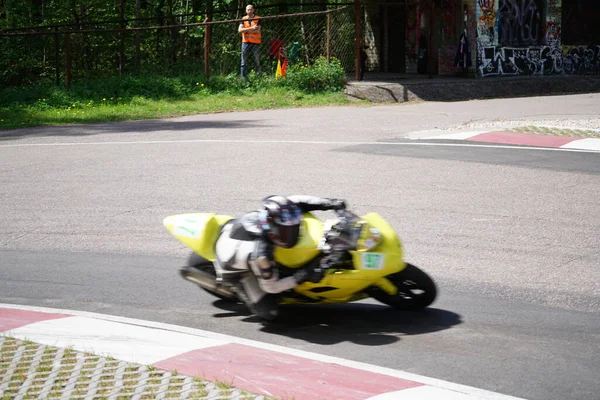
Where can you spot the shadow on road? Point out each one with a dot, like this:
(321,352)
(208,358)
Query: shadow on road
(359,323)
(124,127)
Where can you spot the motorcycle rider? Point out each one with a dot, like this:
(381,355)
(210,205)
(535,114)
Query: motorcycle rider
(249,243)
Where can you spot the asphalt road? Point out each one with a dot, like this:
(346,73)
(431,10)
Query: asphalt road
(511,236)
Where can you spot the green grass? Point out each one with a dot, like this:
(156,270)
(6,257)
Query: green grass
(138,108)
(224,384)
(139,97)
(581,133)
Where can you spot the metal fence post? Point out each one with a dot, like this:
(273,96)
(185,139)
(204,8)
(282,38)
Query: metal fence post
(328,37)
(357,39)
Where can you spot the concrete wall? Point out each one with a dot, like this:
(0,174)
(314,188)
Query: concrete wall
(372,41)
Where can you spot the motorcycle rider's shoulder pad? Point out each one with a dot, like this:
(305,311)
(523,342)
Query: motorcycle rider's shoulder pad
(244,228)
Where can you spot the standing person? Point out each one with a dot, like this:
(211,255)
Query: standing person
(250,30)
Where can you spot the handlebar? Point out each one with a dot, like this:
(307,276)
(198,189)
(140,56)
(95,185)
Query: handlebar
(343,234)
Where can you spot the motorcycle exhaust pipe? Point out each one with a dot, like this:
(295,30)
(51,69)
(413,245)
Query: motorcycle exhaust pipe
(205,280)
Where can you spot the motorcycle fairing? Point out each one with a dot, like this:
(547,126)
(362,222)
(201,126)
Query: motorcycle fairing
(371,268)
(311,232)
(198,231)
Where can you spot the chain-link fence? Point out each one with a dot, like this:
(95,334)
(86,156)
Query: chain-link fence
(190,43)
(301,37)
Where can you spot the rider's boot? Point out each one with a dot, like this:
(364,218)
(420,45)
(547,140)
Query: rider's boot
(261,303)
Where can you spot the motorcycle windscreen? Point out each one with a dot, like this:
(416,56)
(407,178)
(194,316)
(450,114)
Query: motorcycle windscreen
(311,231)
(198,231)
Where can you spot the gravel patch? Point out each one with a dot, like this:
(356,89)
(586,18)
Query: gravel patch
(30,370)
(584,128)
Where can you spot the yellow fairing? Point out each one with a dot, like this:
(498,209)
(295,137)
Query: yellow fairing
(311,231)
(198,231)
(371,267)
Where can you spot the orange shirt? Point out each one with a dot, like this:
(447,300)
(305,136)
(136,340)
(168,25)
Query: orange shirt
(251,37)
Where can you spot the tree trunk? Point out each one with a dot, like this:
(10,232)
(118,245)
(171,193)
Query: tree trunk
(37,8)
(160,19)
(138,53)
(121,36)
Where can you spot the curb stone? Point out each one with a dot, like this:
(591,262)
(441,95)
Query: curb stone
(510,137)
(382,89)
(229,364)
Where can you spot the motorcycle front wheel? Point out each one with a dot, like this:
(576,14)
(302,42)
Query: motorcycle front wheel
(416,290)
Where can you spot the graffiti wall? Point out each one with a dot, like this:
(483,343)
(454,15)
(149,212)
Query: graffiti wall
(520,22)
(539,60)
(487,30)
(523,37)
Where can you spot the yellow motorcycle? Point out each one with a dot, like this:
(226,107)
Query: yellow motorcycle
(366,254)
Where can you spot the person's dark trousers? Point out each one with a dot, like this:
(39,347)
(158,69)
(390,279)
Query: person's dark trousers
(250,50)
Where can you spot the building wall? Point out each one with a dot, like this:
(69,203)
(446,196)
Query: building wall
(473,26)
(446,21)
(457,17)
(523,37)
(506,37)
(413,33)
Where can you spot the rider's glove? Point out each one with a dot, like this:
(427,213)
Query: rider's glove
(337,204)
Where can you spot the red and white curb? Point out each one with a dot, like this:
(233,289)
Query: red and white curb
(512,138)
(254,366)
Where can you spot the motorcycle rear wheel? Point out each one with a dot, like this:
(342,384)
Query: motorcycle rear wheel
(416,290)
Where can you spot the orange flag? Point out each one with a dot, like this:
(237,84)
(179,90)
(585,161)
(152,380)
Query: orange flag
(278,74)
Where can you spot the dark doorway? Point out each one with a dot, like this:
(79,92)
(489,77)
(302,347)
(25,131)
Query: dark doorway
(580,22)
(396,37)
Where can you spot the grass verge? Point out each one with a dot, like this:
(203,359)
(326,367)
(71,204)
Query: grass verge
(139,108)
(149,96)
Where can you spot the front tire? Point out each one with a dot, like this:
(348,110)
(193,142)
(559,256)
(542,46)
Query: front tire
(416,290)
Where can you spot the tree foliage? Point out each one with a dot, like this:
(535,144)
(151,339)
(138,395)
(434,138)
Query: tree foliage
(33,35)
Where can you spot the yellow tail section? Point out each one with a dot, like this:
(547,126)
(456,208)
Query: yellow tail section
(198,231)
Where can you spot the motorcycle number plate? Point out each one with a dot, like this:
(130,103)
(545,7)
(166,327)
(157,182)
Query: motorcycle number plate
(372,261)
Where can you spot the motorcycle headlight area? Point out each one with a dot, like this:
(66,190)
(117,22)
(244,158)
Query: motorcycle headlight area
(370,238)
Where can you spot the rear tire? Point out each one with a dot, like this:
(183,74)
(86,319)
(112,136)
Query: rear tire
(416,290)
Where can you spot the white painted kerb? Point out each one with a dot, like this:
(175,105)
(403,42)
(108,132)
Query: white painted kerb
(125,342)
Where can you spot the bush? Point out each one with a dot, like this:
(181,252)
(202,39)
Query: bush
(322,76)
